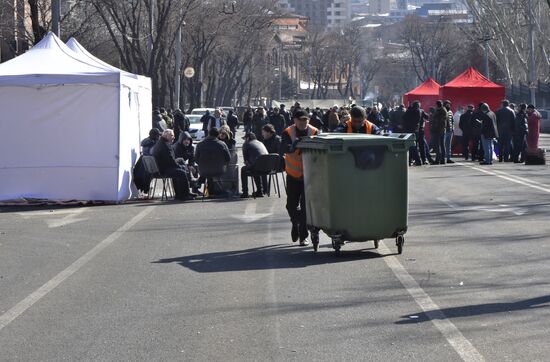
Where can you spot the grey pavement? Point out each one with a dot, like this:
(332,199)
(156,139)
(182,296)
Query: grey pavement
(221,281)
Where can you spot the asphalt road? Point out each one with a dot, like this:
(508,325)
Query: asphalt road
(221,281)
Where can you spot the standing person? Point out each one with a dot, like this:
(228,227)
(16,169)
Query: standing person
(295,201)
(520,134)
(533,123)
(449,128)
(333,118)
(505,122)
(247,120)
(316,119)
(232,121)
(181,123)
(285,114)
(258,121)
(411,124)
(206,121)
(376,117)
(465,125)
(215,122)
(396,119)
(277,120)
(358,123)
(425,155)
(170,167)
(252,149)
(438,125)
(457,131)
(489,132)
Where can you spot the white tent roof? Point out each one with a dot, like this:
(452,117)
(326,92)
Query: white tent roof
(52,62)
(76,47)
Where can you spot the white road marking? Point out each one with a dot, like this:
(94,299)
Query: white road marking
(506,176)
(30,214)
(452,334)
(69,219)
(250,214)
(38,294)
(501,208)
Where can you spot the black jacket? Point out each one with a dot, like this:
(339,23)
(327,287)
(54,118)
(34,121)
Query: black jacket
(164,155)
(273,144)
(438,123)
(181,124)
(258,121)
(233,122)
(520,124)
(278,121)
(396,119)
(212,156)
(411,120)
(185,152)
(506,119)
(252,150)
(489,125)
(465,122)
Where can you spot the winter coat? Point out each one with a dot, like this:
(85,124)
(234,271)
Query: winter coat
(258,121)
(181,124)
(278,121)
(212,156)
(438,123)
(252,150)
(520,124)
(506,119)
(147,146)
(489,125)
(164,155)
(273,144)
(185,152)
(333,120)
(465,123)
(411,120)
(396,119)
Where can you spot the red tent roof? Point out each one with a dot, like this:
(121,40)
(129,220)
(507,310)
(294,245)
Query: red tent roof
(429,88)
(471,78)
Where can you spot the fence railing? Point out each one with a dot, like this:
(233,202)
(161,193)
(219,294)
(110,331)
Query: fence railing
(519,93)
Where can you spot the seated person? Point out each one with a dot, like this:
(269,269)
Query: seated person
(227,137)
(169,166)
(252,149)
(212,157)
(271,140)
(148,143)
(185,150)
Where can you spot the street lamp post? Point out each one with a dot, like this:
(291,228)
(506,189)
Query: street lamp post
(531,41)
(178,67)
(56,16)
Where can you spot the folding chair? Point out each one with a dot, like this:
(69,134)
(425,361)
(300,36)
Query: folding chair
(150,165)
(269,166)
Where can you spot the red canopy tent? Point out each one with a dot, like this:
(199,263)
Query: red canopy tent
(471,87)
(427,93)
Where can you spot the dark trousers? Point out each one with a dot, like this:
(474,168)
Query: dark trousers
(439,144)
(466,146)
(424,148)
(519,148)
(477,150)
(413,154)
(504,147)
(296,197)
(180,179)
(245,170)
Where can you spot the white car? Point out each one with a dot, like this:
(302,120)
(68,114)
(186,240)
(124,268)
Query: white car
(202,111)
(195,129)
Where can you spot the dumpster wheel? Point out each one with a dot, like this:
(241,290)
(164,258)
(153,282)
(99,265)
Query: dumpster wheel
(376,243)
(399,241)
(315,240)
(337,243)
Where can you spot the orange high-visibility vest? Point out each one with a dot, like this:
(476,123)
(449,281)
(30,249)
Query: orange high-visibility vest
(368,127)
(293,161)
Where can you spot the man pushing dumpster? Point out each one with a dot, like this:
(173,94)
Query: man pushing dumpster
(358,123)
(295,199)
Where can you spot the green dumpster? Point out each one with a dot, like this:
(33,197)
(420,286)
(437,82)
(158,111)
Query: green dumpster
(356,186)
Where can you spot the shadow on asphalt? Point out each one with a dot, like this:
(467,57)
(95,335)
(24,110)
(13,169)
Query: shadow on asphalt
(475,310)
(267,257)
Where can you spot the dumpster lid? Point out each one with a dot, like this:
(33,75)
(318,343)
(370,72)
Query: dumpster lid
(328,140)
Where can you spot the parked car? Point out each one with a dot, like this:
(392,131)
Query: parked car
(195,129)
(202,111)
(545,120)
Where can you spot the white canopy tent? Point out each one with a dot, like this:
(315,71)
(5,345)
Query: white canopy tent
(72,126)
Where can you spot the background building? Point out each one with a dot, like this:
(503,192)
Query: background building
(322,13)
